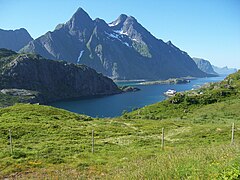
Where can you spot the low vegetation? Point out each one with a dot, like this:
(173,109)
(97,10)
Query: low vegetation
(7,100)
(168,81)
(184,104)
(50,143)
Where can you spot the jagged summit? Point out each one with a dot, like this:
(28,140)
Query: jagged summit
(79,18)
(100,21)
(122,49)
(224,70)
(80,13)
(122,17)
(123,20)
(131,19)
(120,20)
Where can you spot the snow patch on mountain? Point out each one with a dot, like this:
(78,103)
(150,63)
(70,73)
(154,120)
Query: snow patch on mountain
(113,23)
(126,44)
(120,31)
(113,35)
(118,37)
(80,55)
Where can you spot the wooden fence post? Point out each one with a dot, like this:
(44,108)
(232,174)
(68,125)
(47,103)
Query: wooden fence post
(92,141)
(10,141)
(232,140)
(162,138)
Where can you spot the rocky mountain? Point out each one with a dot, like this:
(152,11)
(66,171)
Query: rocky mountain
(224,70)
(123,49)
(204,65)
(45,80)
(14,39)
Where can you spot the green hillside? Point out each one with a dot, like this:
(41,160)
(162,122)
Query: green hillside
(183,105)
(50,143)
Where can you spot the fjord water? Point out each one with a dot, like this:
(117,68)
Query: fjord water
(114,105)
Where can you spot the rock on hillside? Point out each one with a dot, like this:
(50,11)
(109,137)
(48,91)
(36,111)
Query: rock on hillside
(54,80)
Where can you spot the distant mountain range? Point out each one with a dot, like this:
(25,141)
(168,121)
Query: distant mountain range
(204,65)
(224,70)
(14,39)
(123,49)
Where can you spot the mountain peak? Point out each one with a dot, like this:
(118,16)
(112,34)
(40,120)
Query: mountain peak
(131,18)
(79,18)
(122,17)
(101,23)
(120,20)
(169,42)
(80,11)
(122,49)
(80,14)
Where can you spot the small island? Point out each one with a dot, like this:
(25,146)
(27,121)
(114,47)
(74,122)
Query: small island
(128,89)
(168,81)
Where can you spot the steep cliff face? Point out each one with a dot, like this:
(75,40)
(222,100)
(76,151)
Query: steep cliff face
(204,65)
(123,49)
(14,39)
(54,80)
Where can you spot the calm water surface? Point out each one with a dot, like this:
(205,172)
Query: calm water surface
(111,106)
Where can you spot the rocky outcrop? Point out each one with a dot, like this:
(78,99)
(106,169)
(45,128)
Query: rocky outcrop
(123,49)
(14,39)
(129,89)
(23,95)
(53,80)
(204,65)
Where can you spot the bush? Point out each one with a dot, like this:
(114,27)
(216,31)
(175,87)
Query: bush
(19,154)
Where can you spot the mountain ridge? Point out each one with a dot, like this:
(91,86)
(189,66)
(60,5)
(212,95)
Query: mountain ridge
(224,70)
(123,49)
(14,39)
(204,65)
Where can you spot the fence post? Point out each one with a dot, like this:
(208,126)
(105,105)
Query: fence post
(232,140)
(10,141)
(162,138)
(92,141)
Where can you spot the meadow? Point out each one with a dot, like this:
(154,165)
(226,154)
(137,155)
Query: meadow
(50,143)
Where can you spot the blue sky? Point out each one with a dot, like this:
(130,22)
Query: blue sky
(208,29)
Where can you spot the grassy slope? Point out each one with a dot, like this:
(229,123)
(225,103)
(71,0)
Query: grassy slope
(184,105)
(54,143)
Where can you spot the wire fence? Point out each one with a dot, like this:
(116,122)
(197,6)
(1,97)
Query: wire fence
(74,143)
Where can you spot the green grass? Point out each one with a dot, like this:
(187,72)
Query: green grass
(184,104)
(50,143)
(57,143)
(215,162)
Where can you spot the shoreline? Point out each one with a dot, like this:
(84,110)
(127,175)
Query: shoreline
(168,81)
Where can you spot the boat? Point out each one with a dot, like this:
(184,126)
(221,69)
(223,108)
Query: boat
(170,92)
